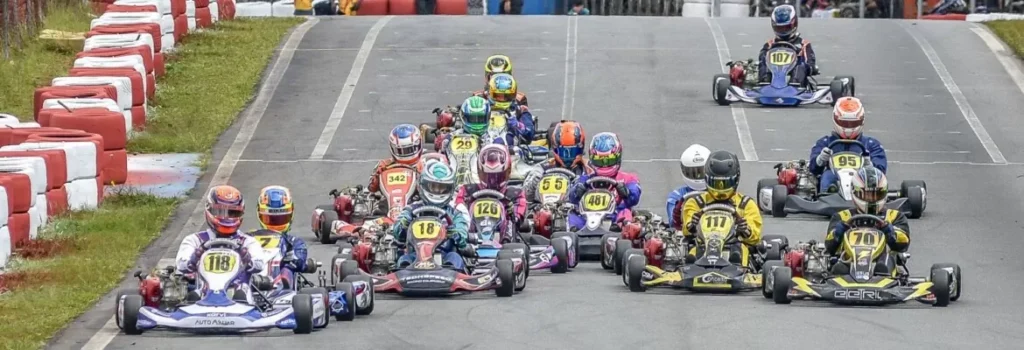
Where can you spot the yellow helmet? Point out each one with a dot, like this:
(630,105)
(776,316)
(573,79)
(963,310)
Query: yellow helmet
(497,64)
(502,90)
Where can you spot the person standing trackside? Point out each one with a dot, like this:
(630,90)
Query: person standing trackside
(511,7)
(578,9)
(426,7)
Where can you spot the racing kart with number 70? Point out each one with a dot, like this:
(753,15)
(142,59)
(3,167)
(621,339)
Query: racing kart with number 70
(784,88)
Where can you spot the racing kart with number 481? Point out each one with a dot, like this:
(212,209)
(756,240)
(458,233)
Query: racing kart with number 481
(783,90)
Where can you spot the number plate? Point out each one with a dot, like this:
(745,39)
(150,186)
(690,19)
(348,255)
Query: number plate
(716,223)
(487,209)
(464,144)
(426,229)
(554,184)
(847,161)
(498,121)
(780,57)
(397,178)
(269,242)
(597,201)
(219,263)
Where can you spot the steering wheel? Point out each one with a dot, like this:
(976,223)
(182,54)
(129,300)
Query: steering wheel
(591,182)
(488,194)
(864,149)
(562,171)
(722,207)
(784,44)
(865,220)
(430,212)
(222,243)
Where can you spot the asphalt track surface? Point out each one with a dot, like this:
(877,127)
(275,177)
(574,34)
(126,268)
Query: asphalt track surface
(649,80)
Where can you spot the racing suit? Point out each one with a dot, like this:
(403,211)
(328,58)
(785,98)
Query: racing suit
(520,97)
(746,208)
(674,207)
(897,234)
(801,71)
(382,165)
(629,196)
(191,249)
(458,228)
(828,178)
(515,203)
(520,125)
(291,244)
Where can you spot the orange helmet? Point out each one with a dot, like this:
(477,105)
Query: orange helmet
(224,209)
(567,141)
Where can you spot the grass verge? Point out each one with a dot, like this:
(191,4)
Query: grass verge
(209,80)
(39,61)
(98,247)
(1011,32)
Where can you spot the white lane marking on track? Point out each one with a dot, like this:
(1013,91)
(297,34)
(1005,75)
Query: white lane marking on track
(569,90)
(1006,57)
(250,121)
(739,117)
(958,95)
(341,105)
(652,160)
(887,151)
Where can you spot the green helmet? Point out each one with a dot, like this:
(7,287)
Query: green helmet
(437,184)
(476,112)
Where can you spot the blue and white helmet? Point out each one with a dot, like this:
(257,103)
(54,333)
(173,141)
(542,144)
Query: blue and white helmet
(437,184)
(784,21)
(406,144)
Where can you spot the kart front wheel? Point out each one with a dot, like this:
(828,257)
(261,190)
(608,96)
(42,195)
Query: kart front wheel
(368,309)
(779,195)
(940,287)
(634,272)
(561,247)
(621,246)
(719,89)
(324,297)
(782,282)
(507,278)
(606,259)
(129,312)
(302,306)
(767,282)
(956,283)
(350,301)
(762,184)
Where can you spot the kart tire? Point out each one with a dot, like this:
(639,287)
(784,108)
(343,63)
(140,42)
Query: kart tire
(719,87)
(625,262)
(915,200)
(774,252)
(837,90)
(369,288)
(605,258)
(621,246)
(507,278)
(957,283)
(350,301)
(509,254)
(428,133)
(524,253)
(562,254)
(348,268)
(573,247)
(121,293)
(782,240)
(327,219)
(346,249)
(635,266)
(302,306)
(851,84)
(782,281)
(762,184)
(767,289)
(130,319)
(940,287)
(779,196)
(326,299)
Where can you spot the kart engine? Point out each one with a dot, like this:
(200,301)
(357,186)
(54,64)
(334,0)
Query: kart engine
(384,254)
(808,261)
(174,289)
(797,177)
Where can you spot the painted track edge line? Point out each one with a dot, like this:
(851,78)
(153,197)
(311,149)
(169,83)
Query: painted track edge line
(739,116)
(1006,57)
(251,120)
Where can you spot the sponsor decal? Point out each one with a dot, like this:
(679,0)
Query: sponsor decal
(712,278)
(418,279)
(857,294)
(216,314)
(484,279)
(220,323)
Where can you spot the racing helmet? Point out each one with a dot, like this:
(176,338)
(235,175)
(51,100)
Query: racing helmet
(848,117)
(497,64)
(224,210)
(692,163)
(428,158)
(870,191)
(722,174)
(784,21)
(275,208)
(437,184)
(494,166)
(406,145)
(567,141)
(606,154)
(476,112)
(502,89)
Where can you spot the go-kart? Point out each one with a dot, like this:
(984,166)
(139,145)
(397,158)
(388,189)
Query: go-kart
(716,267)
(447,120)
(490,225)
(641,233)
(223,301)
(429,275)
(795,189)
(341,297)
(783,90)
(354,205)
(552,213)
(526,160)
(497,130)
(461,151)
(597,237)
(867,273)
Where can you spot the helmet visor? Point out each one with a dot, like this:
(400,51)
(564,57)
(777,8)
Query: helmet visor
(568,154)
(723,183)
(405,151)
(871,195)
(225,211)
(438,188)
(275,219)
(693,172)
(477,118)
(605,160)
(503,96)
(784,30)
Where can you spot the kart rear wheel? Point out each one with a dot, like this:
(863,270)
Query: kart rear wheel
(325,297)
(956,287)
(302,306)
(780,193)
(851,84)
(507,278)
(347,268)
(719,88)
(428,133)
(940,287)
(327,219)
(915,191)
(782,282)
(774,252)
(346,248)
(606,259)
(369,289)
(350,301)
(768,183)
(130,314)
(621,246)
(562,254)
(767,284)
(635,266)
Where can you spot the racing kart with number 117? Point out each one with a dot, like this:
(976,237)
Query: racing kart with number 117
(783,90)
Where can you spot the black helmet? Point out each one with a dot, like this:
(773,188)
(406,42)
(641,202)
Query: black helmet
(870,191)
(722,174)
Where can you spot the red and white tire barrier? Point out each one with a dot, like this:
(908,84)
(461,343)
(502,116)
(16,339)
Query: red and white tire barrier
(83,121)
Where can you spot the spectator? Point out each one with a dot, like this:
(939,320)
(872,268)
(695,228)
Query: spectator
(578,9)
(425,7)
(510,7)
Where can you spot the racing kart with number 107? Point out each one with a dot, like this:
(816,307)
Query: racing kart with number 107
(795,188)
(783,90)
(867,273)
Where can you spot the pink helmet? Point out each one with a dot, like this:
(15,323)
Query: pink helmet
(494,166)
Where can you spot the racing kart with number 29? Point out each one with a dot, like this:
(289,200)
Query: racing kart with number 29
(782,90)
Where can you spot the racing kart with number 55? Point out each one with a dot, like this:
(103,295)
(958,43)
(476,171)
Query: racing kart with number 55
(783,90)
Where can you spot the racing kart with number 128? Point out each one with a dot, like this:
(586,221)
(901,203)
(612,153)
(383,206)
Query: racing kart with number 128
(782,90)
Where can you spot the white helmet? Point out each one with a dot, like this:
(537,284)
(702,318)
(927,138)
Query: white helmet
(692,163)
(848,117)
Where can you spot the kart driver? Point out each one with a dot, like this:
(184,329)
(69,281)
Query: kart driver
(224,211)
(848,122)
(406,148)
(567,141)
(692,163)
(870,193)
(503,90)
(784,24)
(275,214)
(494,166)
(498,64)
(436,188)
(476,114)
(722,178)
(606,160)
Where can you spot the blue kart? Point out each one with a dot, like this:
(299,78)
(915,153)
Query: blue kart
(783,90)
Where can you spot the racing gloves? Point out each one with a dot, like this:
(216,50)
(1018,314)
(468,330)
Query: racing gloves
(742,228)
(247,260)
(823,156)
(621,188)
(694,222)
